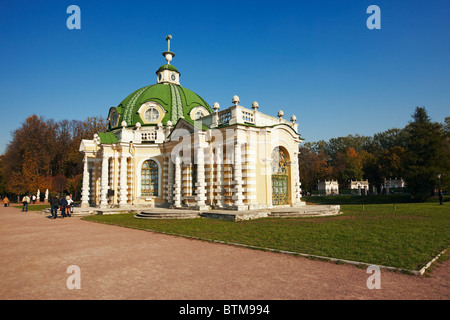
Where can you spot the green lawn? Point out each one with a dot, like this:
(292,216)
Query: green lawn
(406,235)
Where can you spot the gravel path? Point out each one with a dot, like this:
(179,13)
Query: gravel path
(122,263)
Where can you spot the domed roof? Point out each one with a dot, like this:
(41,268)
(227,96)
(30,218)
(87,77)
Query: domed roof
(177,102)
(158,103)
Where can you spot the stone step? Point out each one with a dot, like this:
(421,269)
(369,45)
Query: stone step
(306,211)
(167,215)
(76,213)
(312,211)
(300,214)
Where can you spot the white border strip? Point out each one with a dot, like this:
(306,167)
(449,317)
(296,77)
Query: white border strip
(422,271)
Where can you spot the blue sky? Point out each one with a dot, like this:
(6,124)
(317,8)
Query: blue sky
(314,59)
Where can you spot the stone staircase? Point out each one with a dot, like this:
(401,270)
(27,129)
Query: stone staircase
(168,214)
(306,211)
(229,215)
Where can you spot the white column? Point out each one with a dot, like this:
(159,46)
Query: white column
(297,183)
(170,179)
(132,179)
(219,176)
(209,174)
(85,188)
(104,182)
(251,165)
(123,181)
(186,169)
(200,184)
(237,177)
(177,183)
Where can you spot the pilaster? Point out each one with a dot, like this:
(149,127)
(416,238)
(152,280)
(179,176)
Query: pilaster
(104,181)
(237,175)
(200,184)
(170,180)
(85,188)
(220,198)
(177,183)
(123,180)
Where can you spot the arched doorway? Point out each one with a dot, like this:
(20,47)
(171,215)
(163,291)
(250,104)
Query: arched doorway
(280,177)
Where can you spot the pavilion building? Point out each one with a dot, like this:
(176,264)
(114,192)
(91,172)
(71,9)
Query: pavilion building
(166,146)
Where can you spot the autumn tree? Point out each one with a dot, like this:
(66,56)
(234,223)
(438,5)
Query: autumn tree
(59,183)
(342,144)
(3,186)
(347,166)
(43,149)
(314,166)
(392,162)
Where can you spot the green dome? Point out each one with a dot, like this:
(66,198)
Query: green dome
(167,67)
(177,102)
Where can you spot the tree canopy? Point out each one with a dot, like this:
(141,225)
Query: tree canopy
(44,154)
(426,153)
(416,153)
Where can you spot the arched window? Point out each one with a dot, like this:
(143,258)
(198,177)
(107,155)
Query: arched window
(114,120)
(198,112)
(279,162)
(198,115)
(149,178)
(151,115)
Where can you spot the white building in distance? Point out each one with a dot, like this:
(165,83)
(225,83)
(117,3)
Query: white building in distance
(328,187)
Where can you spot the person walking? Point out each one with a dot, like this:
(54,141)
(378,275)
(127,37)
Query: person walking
(33,198)
(6,201)
(63,203)
(69,206)
(54,206)
(441,198)
(25,201)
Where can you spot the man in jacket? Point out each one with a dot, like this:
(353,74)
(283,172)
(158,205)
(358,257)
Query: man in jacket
(25,201)
(54,205)
(63,203)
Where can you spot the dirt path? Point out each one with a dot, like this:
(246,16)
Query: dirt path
(121,263)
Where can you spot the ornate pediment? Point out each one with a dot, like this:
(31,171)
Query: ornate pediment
(181,129)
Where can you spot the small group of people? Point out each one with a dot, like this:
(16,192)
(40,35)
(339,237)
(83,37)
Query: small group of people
(65,206)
